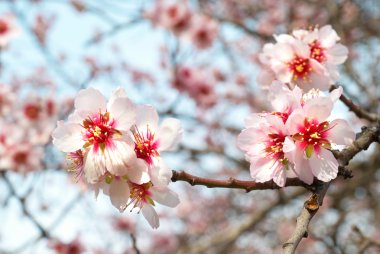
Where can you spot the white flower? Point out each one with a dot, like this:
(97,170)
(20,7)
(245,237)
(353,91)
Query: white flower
(101,129)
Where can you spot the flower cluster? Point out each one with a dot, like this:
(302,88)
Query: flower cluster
(297,138)
(8,29)
(177,17)
(307,58)
(25,125)
(116,147)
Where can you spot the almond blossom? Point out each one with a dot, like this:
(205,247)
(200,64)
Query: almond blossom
(312,138)
(100,131)
(263,141)
(290,61)
(144,197)
(150,140)
(8,29)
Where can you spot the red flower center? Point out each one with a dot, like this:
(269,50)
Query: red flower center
(32,111)
(99,130)
(3,27)
(313,135)
(20,157)
(300,68)
(140,195)
(317,52)
(274,147)
(145,145)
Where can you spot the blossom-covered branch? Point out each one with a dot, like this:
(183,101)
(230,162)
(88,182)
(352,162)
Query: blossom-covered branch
(234,183)
(363,141)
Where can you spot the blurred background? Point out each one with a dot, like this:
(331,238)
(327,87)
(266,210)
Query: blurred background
(193,60)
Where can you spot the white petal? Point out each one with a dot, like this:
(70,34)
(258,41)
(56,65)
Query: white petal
(151,215)
(117,93)
(295,121)
(124,112)
(328,36)
(138,171)
(119,194)
(337,54)
(336,93)
(279,176)
(341,133)
(160,173)
(302,167)
(169,134)
(90,100)
(68,137)
(116,158)
(318,108)
(165,196)
(261,169)
(93,167)
(324,165)
(147,115)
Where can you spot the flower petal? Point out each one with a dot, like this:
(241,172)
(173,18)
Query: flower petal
(90,101)
(124,112)
(68,137)
(165,196)
(341,132)
(119,194)
(151,215)
(324,166)
(169,134)
(147,115)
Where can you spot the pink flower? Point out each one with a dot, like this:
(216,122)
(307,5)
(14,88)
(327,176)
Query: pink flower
(8,29)
(203,32)
(145,195)
(150,140)
(323,44)
(263,141)
(313,137)
(290,61)
(100,130)
(175,16)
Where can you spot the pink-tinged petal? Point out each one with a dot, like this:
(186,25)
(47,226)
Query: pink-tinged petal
(302,167)
(341,132)
(117,93)
(279,176)
(165,196)
(68,137)
(337,54)
(284,38)
(90,101)
(147,115)
(93,167)
(150,215)
(318,108)
(138,171)
(117,158)
(255,150)
(276,124)
(75,118)
(119,194)
(324,166)
(336,93)
(253,120)
(123,111)
(265,78)
(301,49)
(328,36)
(333,72)
(247,138)
(318,81)
(300,33)
(160,173)
(295,120)
(283,52)
(261,169)
(289,146)
(281,71)
(169,134)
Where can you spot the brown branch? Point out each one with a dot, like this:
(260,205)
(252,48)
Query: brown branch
(362,142)
(359,112)
(234,183)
